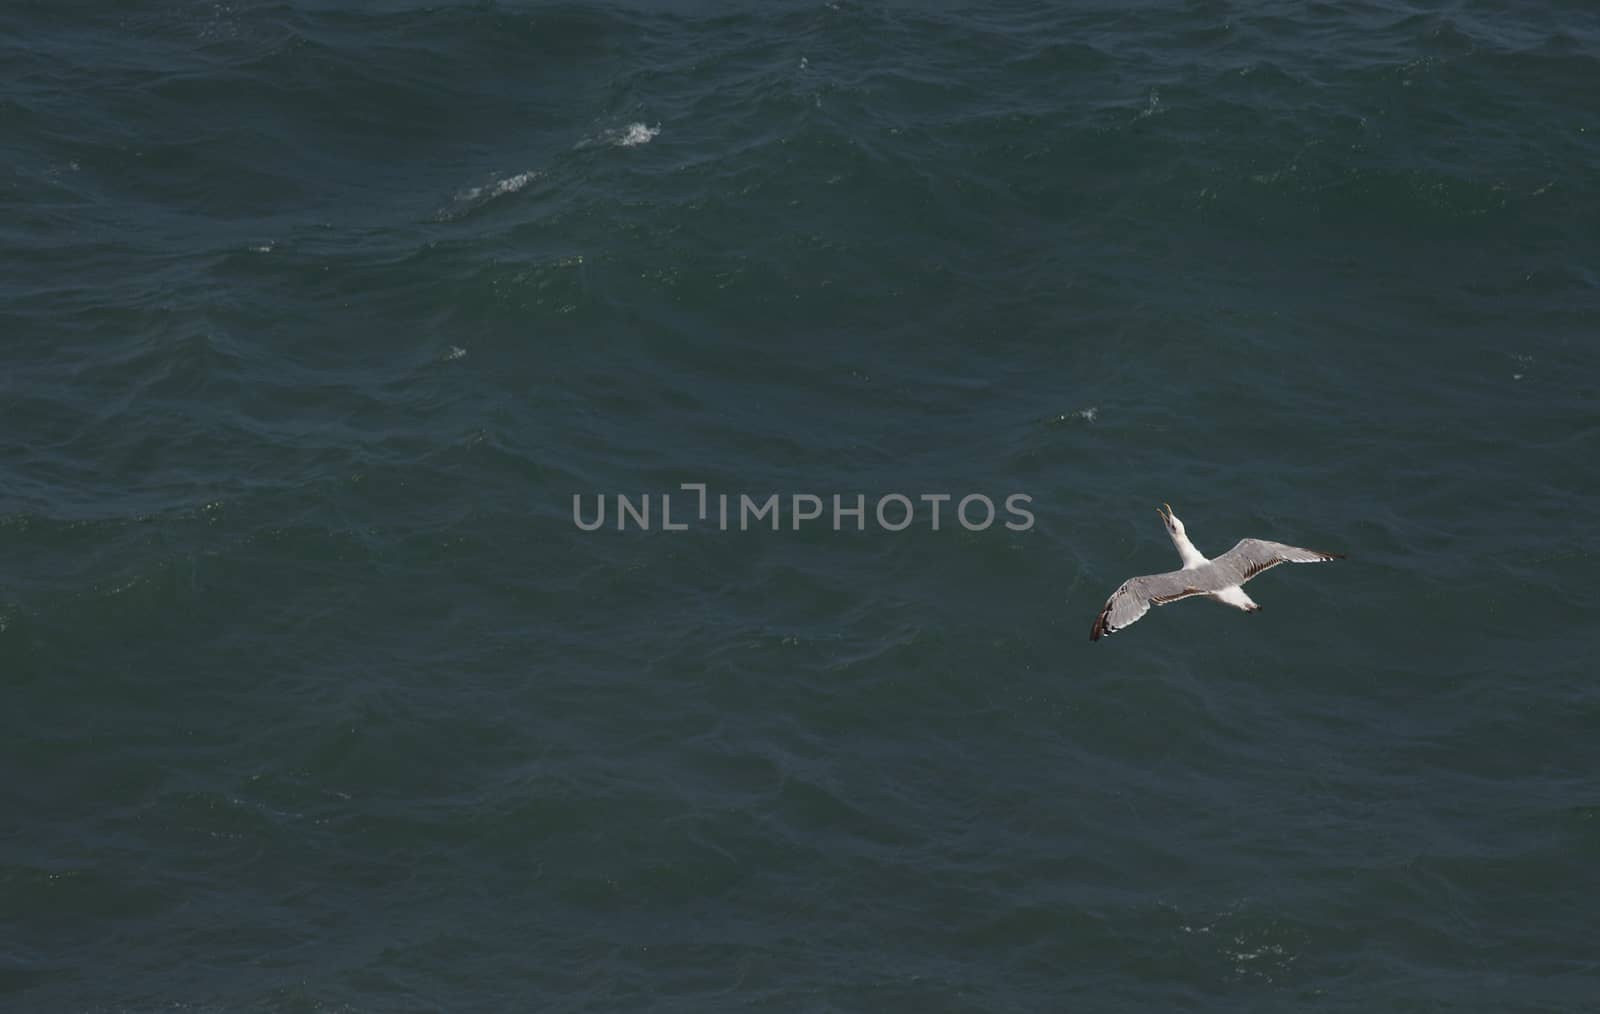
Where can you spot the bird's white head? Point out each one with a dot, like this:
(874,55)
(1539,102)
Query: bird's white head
(1174,526)
(1191,556)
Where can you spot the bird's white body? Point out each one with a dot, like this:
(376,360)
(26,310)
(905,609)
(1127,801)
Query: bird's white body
(1220,580)
(1193,559)
(1234,597)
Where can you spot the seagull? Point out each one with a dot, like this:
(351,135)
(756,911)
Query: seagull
(1219,580)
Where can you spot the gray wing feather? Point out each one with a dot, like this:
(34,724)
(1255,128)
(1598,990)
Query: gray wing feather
(1252,556)
(1137,594)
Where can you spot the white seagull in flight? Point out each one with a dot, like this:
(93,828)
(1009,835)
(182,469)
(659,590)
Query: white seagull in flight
(1219,580)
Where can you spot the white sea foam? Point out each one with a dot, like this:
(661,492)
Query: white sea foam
(472,198)
(453,353)
(631,136)
(636,134)
(1088,415)
(499,188)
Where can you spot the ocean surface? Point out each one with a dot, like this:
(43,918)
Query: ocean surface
(326,329)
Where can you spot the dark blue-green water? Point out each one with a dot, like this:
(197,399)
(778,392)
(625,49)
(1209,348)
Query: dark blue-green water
(315,318)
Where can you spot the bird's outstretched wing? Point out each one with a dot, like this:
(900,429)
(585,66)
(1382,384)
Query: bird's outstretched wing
(1252,556)
(1137,594)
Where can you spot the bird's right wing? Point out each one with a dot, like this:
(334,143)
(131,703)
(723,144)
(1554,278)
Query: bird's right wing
(1252,556)
(1137,594)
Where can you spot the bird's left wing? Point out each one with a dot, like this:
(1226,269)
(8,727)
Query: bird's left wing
(1137,594)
